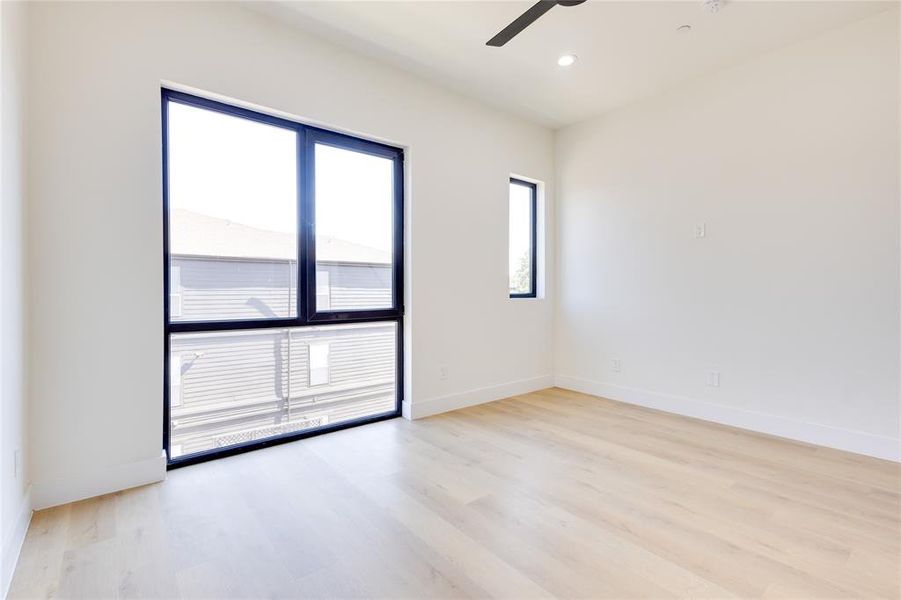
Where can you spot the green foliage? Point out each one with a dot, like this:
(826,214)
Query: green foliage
(521,281)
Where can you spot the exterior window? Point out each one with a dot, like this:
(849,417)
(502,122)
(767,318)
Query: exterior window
(284,276)
(523,239)
(319,369)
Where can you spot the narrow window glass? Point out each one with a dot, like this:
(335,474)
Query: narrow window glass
(319,363)
(233,216)
(354,229)
(522,239)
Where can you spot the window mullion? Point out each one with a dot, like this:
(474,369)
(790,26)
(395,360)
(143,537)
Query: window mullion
(307,229)
(302,292)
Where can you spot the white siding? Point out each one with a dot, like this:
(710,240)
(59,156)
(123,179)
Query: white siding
(356,286)
(233,383)
(215,289)
(223,288)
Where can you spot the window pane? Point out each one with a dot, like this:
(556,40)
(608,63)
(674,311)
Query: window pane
(233,216)
(240,386)
(354,230)
(520,239)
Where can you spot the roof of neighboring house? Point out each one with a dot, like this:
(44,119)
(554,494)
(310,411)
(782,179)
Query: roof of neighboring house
(195,234)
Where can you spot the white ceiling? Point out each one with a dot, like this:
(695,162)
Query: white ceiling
(627,50)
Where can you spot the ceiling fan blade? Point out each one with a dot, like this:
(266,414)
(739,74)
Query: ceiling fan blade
(521,22)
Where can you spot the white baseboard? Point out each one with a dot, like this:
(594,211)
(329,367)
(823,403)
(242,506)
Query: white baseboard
(433,406)
(12,545)
(69,488)
(859,442)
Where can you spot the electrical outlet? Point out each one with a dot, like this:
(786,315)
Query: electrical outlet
(713,378)
(442,372)
(701,230)
(617,365)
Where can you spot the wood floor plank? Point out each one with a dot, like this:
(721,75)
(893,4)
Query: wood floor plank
(549,494)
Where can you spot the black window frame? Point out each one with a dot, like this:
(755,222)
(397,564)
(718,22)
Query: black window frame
(305,310)
(533,238)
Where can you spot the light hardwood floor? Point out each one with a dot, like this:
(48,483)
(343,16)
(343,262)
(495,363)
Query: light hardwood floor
(549,494)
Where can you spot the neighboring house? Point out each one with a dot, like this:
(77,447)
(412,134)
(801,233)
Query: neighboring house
(232,387)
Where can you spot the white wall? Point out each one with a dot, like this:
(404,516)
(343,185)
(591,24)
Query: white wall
(791,160)
(15,508)
(96,219)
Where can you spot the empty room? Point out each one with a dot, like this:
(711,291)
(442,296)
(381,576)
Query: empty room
(450,299)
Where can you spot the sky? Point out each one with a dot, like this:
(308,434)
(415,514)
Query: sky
(246,172)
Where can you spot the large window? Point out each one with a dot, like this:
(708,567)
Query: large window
(283,259)
(523,240)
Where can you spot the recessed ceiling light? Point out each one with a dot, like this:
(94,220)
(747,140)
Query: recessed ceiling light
(567,60)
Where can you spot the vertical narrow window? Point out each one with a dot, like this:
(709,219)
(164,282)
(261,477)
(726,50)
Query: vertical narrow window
(319,363)
(284,275)
(523,239)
